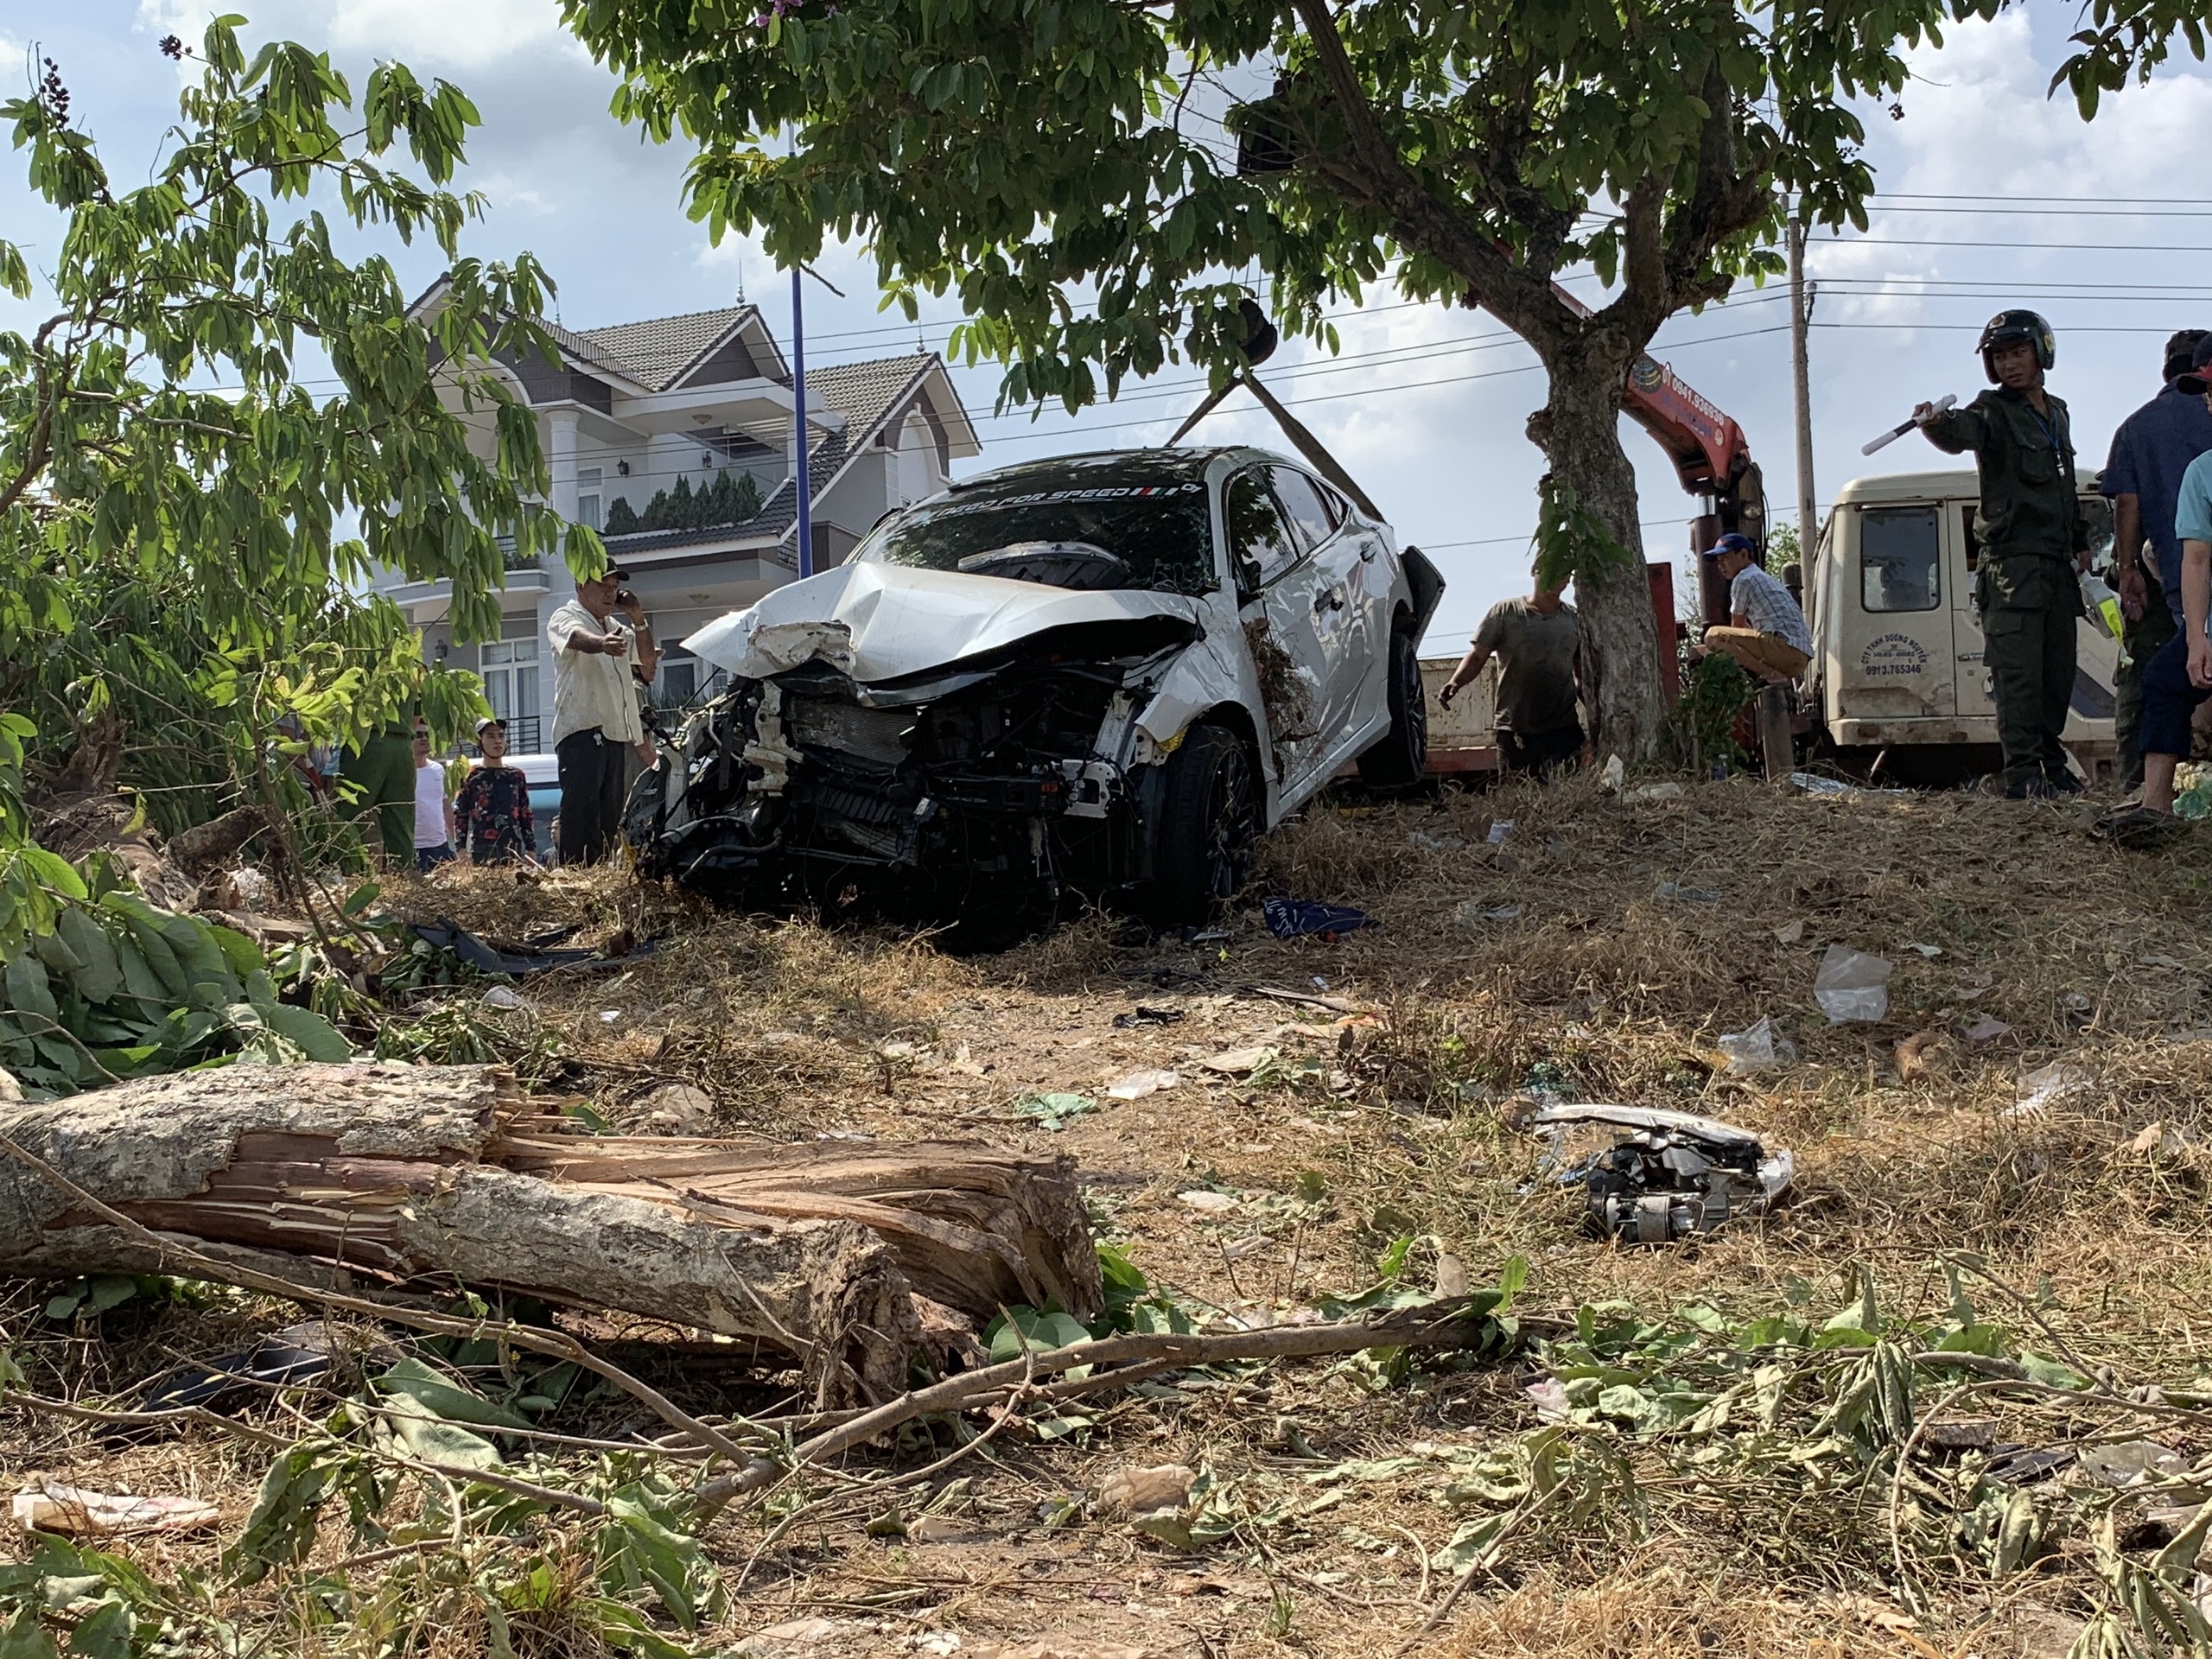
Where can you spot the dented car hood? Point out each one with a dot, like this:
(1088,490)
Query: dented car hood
(878,622)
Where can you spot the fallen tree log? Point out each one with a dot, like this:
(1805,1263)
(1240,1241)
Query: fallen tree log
(835,1254)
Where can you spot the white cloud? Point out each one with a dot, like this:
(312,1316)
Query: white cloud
(442,34)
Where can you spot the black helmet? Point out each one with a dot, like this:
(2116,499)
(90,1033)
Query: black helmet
(2017,324)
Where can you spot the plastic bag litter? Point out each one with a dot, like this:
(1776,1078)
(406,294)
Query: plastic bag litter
(1853,987)
(1666,791)
(1760,1048)
(1293,918)
(1499,830)
(1614,772)
(1680,895)
(2046,1086)
(1474,915)
(1138,1084)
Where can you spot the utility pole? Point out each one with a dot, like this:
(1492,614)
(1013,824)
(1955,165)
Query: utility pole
(800,483)
(1801,313)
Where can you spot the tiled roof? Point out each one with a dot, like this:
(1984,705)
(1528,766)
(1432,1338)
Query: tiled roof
(654,352)
(862,393)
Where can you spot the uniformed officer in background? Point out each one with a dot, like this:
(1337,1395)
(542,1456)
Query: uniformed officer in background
(2034,544)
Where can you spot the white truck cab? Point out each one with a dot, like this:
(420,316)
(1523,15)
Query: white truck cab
(1896,641)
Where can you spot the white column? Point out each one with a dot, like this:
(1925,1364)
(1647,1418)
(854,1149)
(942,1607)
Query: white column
(560,460)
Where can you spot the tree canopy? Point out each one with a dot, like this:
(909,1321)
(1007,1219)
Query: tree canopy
(186,527)
(1070,170)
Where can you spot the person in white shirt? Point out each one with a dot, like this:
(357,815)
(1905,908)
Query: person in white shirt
(433,809)
(595,720)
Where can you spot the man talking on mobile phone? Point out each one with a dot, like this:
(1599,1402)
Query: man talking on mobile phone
(595,721)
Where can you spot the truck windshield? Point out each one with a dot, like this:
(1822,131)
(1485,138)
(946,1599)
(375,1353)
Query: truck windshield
(1098,527)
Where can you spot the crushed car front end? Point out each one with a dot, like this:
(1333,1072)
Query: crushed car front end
(1008,774)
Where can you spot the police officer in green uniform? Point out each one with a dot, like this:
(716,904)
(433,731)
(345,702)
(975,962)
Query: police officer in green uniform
(2033,542)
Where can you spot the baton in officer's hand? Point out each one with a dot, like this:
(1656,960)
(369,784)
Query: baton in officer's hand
(1904,427)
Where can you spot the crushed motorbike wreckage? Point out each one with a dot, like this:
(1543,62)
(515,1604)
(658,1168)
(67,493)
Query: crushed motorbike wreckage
(1673,1174)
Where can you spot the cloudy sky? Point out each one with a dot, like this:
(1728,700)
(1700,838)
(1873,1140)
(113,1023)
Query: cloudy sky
(1992,196)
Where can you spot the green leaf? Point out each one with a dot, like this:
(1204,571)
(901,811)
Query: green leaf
(280,1528)
(441,1396)
(25,1638)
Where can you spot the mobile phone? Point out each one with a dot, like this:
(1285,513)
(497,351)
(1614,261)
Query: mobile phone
(623,596)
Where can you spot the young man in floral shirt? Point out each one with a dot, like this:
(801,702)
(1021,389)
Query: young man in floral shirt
(492,813)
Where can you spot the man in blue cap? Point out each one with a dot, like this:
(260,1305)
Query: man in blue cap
(1765,631)
(2142,477)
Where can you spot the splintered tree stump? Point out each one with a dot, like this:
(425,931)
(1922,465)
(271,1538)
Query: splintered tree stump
(829,1253)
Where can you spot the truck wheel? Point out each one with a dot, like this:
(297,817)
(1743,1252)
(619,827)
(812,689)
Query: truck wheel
(1202,846)
(1400,756)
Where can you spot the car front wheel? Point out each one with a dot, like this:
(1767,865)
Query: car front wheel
(1208,824)
(1400,756)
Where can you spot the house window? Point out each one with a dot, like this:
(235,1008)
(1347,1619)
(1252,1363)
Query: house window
(678,680)
(509,668)
(588,498)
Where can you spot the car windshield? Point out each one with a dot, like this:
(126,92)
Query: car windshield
(1092,527)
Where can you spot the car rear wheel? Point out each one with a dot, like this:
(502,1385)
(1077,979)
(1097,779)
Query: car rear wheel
(1202,848)
(1400,756)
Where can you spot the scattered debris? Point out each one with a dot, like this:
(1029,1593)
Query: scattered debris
(1499,830)
(1470,915)
(1240,1062)
(1645,793)
(1853,987)
(1813,784)
(298,1353)
(1129,1492)
(524,957)
(2130,1463)
(75,1512)
(1790,932)
(504,998)
(1986,1029)
(1138,1084)
(2168,1143)
(1445,843)
(2047,1085)
(1673,1174)
(1677,893)
(1204,1198)
(1142,1015)
(1913,1054)
(1759,1048)
(678,1109)
(1297,919)
(1053,1111)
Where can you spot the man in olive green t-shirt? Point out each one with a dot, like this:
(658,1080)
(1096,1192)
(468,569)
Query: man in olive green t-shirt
(1535,641)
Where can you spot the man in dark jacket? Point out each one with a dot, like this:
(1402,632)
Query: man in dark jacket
(2033,545)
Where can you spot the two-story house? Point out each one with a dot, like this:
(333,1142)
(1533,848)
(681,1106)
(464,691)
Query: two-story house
(673,439)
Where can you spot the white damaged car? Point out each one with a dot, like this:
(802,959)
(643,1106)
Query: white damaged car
(1104,675)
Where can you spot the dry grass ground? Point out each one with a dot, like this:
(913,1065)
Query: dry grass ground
(1550,961)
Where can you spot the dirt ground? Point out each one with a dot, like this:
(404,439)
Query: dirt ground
(1595,950)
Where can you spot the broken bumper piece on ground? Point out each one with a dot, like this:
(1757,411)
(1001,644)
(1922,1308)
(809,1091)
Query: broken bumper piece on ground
(1672,1175)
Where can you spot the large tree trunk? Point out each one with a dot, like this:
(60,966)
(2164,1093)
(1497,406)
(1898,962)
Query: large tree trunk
(1579,432)
(834,1255)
